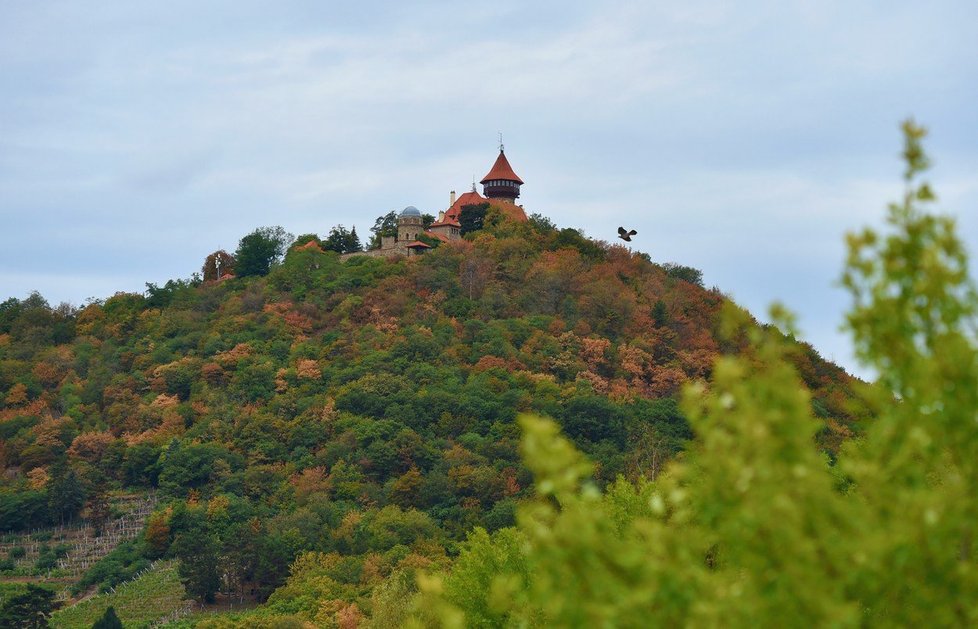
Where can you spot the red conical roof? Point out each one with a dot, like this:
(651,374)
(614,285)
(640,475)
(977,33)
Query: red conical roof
(501,170)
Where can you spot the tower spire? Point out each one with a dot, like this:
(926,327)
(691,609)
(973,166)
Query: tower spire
(501,182)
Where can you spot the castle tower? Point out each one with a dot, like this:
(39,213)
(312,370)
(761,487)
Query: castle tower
(409,224)
(501,182)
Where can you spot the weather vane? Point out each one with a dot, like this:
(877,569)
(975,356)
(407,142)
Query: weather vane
(500,141)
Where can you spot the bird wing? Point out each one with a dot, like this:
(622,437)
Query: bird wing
(632,233)
(621,231)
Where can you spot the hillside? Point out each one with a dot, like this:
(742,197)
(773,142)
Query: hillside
(363,411)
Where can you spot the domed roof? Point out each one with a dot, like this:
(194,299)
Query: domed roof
(410,211)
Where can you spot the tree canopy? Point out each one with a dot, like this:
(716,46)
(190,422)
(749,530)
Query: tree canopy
(260,250)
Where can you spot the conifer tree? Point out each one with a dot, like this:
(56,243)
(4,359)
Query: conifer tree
(109,620)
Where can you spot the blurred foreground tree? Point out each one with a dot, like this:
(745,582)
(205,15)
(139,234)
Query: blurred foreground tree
(754,527)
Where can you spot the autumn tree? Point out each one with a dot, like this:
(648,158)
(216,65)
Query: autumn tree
(217,264)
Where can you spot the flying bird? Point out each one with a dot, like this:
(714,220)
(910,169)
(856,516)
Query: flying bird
(626,235)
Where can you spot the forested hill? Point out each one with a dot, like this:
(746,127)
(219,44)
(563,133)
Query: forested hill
(363,407)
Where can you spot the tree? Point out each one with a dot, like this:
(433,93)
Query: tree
(99,510)
(66,494)
(472,217)
(109,620)
(28,610)
(342,241)
(261,249)
(198,564)
(385,225)
(684,273)
(217,265)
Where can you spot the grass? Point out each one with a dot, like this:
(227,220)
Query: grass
(151,597)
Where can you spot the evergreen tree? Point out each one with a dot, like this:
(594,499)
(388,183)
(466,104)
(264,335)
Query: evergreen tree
(353,242)
(29,610)
(66,494)
(109,620)
(342,240)
(472,218)
(197,552)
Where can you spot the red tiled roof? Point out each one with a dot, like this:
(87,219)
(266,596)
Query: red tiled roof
(417,243)
(438,235)
(312,245)
(468,198)
(451,222)
(501,170)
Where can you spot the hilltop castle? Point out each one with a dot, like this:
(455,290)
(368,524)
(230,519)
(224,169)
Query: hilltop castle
(500,189)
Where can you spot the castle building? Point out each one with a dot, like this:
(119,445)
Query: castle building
(500,189)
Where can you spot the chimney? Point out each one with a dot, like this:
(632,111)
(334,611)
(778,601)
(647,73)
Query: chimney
(452,199)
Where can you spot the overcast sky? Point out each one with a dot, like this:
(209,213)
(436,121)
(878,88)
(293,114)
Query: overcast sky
(740,138)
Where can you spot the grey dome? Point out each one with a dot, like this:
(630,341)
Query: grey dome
(410,211)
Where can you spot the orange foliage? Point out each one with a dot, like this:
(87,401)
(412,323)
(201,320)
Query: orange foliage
(309,481)
(308,370)
(666,381)
(164,400)
(38,478)
(17,395)
(213,374)
(47,374)
(231,357)
(489,362)
(157,533)
(91,446)
(594,352)
(36,408)
(49,431)
(598,384)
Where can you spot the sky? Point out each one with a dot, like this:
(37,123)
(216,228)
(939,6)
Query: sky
(742,138)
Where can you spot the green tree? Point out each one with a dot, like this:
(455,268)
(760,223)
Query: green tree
(472,217)
(684,273)
(27,610)
(198,554)
(385,225)
(109,620)
(342,240)
(66,494)
(260,250)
